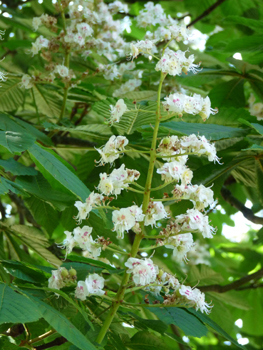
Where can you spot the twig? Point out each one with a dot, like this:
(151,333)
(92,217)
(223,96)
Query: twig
(234,285)
(206,12)
(58,341)
(234,202)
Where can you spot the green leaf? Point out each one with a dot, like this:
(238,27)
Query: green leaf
(251,23)
(63,326)
(214,326)
(15,168)
(15,307)
(250,43)
(147,341)
(228,94)
(24,271)
(48,102)
(33,238)
(40,188)
(139,96)
(6,345)
(82,259)
(11,94)
(181,318)
(131,120)
(16,142)
(210,131)
(7,185)
(49,164)
(41,211)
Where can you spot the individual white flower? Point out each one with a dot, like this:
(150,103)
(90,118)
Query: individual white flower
(181,245)
(117,111)
(126,24)
(196,298)
(186,176)
(26,81)
(69,242)
(95,284)
(143,271)
(79,39)
(56,281)
(84,29)
(155,212)
(81,291)
(39,44)
(62,70)
(175,103)
(255,109)
(137,213)
(123,220)
(151,15)
(179,32)
(207,110)
(195,221)
(36,22)
(111,150)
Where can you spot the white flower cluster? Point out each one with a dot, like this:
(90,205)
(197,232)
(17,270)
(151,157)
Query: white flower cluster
(181,245)
(117,180)
(94,200)
(144,46)
(126,218)
(39,44)
(82,237)
(199,195)
(129,86)
(175,62)
(151,15)
(45,20)
(175,31)
(61,278)
(92,285)
(143,271)
(171,146)
(195,221)
(117,111)
(255,109)
(180,103)
(176,170)
(112,149)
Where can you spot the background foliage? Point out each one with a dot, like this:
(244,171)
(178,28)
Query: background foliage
(46,167)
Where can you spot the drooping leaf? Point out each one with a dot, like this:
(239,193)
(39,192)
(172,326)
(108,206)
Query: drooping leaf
(11,94)
(49,164)
(16,142)
(48,102)
(12,166)
(15,307)
(180,317)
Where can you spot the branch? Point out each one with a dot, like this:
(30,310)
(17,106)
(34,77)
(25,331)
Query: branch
(234,285)
(234,202)
(206,12)
(57,139)
(58,341)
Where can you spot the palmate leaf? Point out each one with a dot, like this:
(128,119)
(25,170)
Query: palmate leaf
(55,171)
(16,142)
(32,237)
(15,307)
(11,95)
(15,168)
(131,120)
(62,325)
(47,102)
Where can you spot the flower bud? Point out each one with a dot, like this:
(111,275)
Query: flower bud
(64,272)
(72,272)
